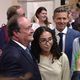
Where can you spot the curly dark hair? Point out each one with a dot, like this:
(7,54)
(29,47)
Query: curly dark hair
(35,47)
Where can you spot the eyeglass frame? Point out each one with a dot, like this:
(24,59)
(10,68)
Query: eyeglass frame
(44,41)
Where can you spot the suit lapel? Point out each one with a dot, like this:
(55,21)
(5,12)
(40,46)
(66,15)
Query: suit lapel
(21,51)
(26,55)
(68,39)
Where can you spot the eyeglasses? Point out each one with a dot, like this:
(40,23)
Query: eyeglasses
(44,41)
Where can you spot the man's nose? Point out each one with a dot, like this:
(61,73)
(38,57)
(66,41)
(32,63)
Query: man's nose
(62,20)
(47,43)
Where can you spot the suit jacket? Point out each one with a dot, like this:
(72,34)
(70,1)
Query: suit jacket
(15,62)
(70,36)
(4,39)
(76,75)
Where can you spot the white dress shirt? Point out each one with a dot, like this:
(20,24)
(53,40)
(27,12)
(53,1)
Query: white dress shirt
(36,25)
(24,47)
(64,36)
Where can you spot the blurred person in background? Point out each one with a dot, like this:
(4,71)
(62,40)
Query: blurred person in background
(41,19)
(12,10)
(74,15)
(77,20)
(75,67)
(76,50)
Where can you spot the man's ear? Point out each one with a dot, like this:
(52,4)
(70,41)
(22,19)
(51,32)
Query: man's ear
(15,33)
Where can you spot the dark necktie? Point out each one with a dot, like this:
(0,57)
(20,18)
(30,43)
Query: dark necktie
(61,40)
(28,52)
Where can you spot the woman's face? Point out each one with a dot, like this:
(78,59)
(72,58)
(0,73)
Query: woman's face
(46,41)
(42,15)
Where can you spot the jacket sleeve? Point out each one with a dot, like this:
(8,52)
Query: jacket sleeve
(76,75)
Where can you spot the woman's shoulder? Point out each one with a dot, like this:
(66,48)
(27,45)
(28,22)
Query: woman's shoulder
(35,26)
(64,61)
(64,57)
(51,26)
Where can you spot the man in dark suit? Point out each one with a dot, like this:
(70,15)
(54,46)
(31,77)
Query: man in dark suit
(16,59)
(12,10)
(61,19)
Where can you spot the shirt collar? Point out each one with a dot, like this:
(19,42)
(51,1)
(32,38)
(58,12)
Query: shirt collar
(24,47)
(64,31)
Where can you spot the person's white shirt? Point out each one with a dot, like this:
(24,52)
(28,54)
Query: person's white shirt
(22,46)
(36,25)
(71,24)
(64,36)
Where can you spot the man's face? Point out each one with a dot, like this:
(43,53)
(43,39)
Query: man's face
(61,19)
(25,35)
(21,11)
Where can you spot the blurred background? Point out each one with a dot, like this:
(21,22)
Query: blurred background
(30,7)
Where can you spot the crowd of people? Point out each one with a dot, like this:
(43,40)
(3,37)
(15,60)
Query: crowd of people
(39,50)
